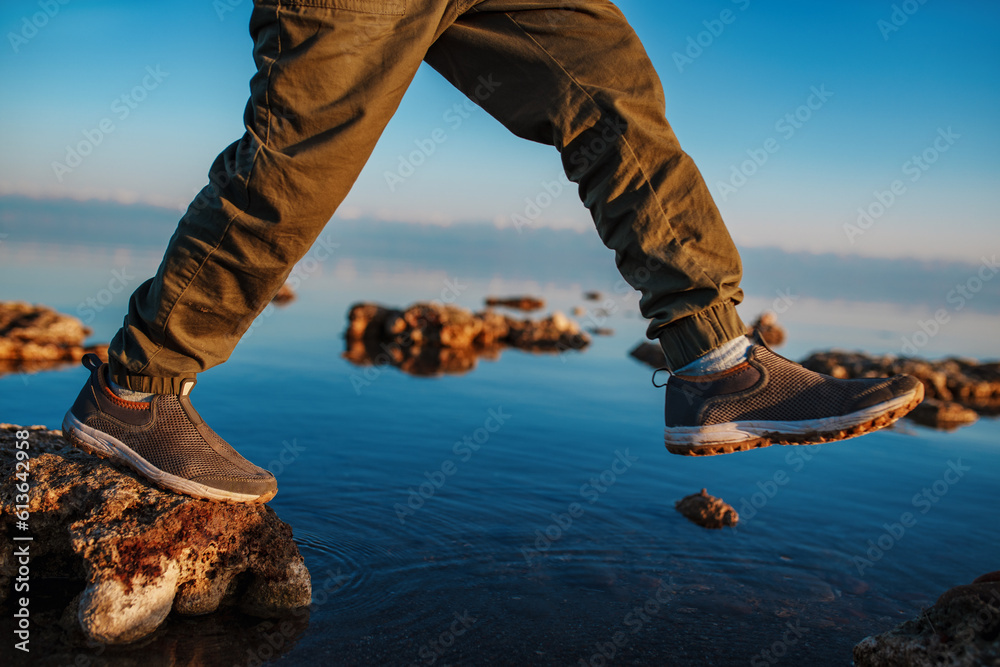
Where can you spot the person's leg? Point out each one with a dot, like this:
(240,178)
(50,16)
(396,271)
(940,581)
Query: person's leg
(329,77)
(573,74)
(328,80)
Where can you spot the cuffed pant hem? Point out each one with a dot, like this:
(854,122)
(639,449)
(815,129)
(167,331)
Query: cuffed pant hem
(149,385)
(687,339)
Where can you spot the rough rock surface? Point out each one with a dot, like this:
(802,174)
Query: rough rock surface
(951,383)
(525,303)
(430,338)
(961,629)
(34,337)
(141,552)
(707,511)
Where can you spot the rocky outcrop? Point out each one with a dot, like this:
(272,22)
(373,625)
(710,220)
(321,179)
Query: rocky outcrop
(433,338)
(707,511)
(138,552)
(525,303)
(34,338)
(949,384)
(961,629)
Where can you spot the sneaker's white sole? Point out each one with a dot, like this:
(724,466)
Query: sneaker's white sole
(103,445)
(743,435)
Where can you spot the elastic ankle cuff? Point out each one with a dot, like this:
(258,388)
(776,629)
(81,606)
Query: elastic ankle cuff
(687,339)
(143,383)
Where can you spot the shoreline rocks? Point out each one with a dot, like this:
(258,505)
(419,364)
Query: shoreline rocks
(137,552)
(434,338)
(35,337)
(962,629)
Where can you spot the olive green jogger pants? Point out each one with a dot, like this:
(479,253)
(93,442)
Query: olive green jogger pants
(330,75)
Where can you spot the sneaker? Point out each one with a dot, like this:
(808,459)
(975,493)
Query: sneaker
(768,400)
(165,441)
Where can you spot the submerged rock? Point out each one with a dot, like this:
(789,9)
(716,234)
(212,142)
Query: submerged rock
(525,303)
(140,552)
(34,337)
(431,338)
(961,629)
(707,511)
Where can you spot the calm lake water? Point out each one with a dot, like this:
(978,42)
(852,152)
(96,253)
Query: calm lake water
(433,513)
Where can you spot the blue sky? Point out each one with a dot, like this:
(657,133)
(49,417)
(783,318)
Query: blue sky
(888,95)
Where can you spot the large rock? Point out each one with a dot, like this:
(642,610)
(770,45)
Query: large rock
(962,629)
(433,338)
(34,337)
(141,552)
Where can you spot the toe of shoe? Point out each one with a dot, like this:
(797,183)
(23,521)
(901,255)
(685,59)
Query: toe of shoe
(887,390)
(260,485)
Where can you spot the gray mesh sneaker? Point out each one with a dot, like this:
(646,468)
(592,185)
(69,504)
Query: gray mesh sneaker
(165,441)
(769,400)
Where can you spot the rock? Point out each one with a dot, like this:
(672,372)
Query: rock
(284,296)
(525,303)
(767,326)
(142,552)
(945,415)
(707,511)
(600,331)
(966,382)
(431,338)
(34,337)
(961,629)
(650,354)
(592,296)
